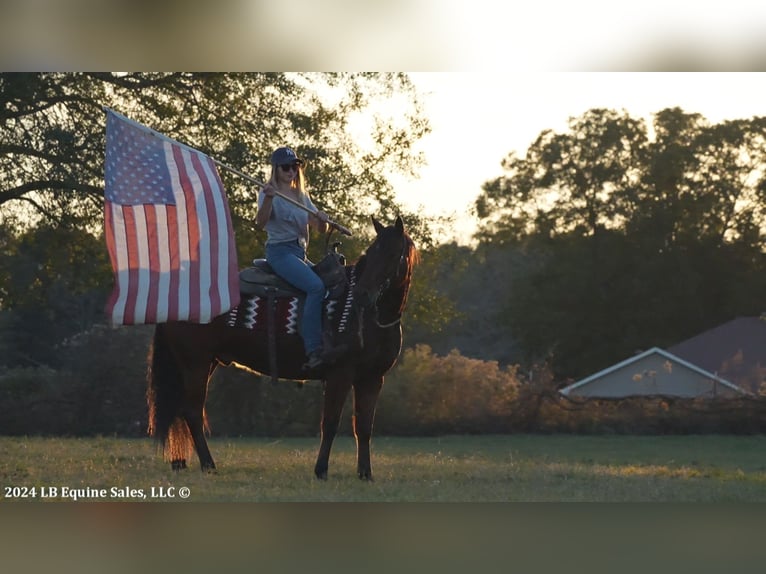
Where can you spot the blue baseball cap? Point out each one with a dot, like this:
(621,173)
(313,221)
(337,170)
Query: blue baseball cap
(284,155)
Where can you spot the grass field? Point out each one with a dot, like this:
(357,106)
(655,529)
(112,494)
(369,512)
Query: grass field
(439,469)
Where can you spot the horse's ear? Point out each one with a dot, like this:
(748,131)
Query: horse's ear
(378,226)
(399,223)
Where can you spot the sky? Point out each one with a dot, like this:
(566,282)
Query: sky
(477,118)
(502,71)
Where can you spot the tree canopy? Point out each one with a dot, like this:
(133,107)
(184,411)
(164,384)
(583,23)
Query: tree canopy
(635,235)
(52,138)
(690,179)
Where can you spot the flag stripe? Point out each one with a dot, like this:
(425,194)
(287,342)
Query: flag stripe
(215,217)
(199,239)
(171,245)
(131,252)
(114,237)
(229,276)
(205,221)
(163,266)
(175,263)
(153,253)
(144,263)
(188,238)
(220,271)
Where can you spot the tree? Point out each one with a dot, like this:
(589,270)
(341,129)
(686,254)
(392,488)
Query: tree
(633,241)
(471,285)
(52,142)
(54,281)
(576,182)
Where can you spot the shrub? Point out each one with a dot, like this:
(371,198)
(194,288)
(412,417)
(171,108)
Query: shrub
(430,394)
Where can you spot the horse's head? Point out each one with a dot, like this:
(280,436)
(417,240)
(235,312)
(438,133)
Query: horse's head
(387,263)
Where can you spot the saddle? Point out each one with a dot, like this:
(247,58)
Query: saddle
(261,280)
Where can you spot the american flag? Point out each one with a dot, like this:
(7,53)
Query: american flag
(168,229)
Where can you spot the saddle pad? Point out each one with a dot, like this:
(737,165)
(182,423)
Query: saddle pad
(252,312)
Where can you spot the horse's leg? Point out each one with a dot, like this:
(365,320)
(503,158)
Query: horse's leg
(366,392)
(336,389)
(197,380)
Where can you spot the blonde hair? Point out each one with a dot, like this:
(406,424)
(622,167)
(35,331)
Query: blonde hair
(298,183)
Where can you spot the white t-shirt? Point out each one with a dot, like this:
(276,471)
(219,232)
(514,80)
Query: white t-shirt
(287,222)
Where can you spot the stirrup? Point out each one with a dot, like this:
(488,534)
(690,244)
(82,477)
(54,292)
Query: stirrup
(315,359)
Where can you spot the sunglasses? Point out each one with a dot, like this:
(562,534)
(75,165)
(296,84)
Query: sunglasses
(288,167)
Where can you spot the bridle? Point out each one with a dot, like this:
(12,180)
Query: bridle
(386,284)
(379,292)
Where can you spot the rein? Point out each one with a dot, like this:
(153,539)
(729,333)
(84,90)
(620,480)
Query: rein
(376,317)
(386,325)
(376,310)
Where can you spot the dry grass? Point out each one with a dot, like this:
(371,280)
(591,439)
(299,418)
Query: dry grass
(446,469)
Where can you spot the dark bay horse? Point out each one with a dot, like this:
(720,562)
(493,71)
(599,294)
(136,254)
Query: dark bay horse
(184,356)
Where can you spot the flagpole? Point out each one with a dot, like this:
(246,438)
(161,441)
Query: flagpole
(338,226)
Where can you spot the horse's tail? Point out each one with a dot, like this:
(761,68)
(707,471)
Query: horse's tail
(165,396)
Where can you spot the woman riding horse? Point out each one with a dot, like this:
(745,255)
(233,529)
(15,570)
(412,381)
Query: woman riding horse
(287,227)
(185,355)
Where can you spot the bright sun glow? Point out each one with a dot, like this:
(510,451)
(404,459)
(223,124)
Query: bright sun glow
(479,118)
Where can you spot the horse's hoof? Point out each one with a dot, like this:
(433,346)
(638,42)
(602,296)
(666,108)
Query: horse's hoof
(321,474)
(366,475)
(178,464)
(209,469)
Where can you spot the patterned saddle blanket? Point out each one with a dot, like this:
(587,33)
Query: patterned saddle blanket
(267,299)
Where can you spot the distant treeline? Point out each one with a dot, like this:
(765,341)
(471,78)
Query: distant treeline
(99,389)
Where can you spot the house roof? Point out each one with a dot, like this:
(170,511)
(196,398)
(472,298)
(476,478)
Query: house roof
(734,349)
(638,357)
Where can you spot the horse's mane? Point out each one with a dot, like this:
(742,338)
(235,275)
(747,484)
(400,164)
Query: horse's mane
(413,258)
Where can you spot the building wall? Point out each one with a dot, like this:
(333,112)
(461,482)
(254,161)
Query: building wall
(652,375)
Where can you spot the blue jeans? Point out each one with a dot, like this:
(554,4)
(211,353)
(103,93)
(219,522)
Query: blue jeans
(289,262)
